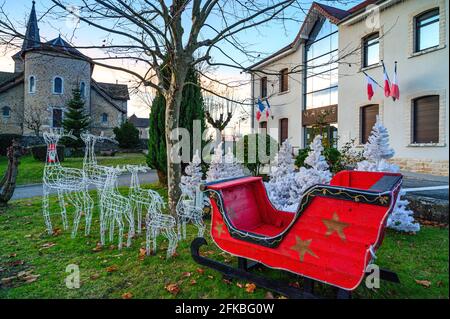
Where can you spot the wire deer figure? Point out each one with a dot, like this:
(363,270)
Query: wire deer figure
(68,182)
(115,207)
(190,209)
(141,198)
(157,222)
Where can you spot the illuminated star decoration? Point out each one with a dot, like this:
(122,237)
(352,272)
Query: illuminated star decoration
(302,247)
(334,225)
(219,229)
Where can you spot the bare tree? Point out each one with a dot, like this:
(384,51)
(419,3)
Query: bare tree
(177,37)
(34,118)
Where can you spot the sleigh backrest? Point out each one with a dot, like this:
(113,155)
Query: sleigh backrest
(373,181)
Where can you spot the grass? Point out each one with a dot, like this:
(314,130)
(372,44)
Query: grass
(31,170)
(23,243)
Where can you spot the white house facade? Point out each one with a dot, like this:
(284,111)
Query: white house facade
(319,80)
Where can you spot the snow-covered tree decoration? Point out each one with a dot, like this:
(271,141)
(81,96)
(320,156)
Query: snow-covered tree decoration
(192,179)
(222,167)
(376,152)
(281,176)
(318,173)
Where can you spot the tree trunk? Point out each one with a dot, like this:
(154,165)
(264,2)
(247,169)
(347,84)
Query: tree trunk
(8,182)
(173,103)
(162,177)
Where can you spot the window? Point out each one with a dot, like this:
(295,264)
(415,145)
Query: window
(263,87)
(6,111)
(57,115)
(32,84)
(58,85)
(82,89)
(368,118)
(283,130)
(425,115)
(328,132)
(427,30)
(284,80)
(104,118)
(263,127)
(371,50)
(321,76)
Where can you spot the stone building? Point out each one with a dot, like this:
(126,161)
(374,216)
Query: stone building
(321,77)
(142,124)
(42,82)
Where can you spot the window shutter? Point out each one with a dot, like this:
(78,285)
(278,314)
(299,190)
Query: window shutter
(368,118)
(264,87)
(426,119)
(283,130)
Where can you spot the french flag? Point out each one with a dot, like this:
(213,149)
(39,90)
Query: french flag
(395,91)
(370,87)
(260,109)
(267,109)
(387,83)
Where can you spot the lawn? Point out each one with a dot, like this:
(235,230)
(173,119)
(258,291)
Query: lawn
(421,261)
(31,171)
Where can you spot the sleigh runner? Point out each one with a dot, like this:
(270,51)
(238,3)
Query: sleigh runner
(331,238)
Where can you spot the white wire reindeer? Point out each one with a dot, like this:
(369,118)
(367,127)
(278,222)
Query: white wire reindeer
(156,223)
(190,209)
(141,197)
(69,182)
(115,207)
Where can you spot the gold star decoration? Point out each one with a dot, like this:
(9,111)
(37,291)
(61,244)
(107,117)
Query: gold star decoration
(219,229)
(334,225)
(302,247)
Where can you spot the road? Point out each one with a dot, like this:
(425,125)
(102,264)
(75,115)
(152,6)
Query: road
(27,191)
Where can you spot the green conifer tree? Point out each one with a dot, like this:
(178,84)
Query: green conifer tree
(75,120)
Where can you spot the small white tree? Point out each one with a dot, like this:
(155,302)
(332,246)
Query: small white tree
(376,152)
(222,167)
(192,179)
(318,173)
(281,176)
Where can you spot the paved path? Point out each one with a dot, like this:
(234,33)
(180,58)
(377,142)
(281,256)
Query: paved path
(26,191)
(415,180)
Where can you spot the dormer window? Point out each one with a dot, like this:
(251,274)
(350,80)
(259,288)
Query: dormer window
(31,84)
(6,111)
(82,89)
(58,85)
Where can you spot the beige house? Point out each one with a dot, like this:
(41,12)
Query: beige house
(321,78)
(142,124)
(42,82)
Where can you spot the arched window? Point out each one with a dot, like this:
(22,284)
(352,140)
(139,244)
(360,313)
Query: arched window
(82,89)
(32,84)
(58,85)
(104,118)
(427,30)
(6,111)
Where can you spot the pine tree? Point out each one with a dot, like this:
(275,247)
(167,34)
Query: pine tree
(376,152)
(75,120)
(192,178)
(191,109)
(222,167)
(315,159)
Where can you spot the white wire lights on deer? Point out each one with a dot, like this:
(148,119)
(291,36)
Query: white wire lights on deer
(116,209)
(190,205)
(68,182)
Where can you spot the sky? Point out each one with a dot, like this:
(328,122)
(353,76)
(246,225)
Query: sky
(265,40)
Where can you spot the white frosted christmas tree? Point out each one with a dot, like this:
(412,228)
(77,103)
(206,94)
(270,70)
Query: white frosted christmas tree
(222,167)
(318,173)
(192,179)
(281,177)
(376,152)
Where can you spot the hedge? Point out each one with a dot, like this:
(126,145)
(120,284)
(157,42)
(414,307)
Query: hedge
(5,142)
(39,152)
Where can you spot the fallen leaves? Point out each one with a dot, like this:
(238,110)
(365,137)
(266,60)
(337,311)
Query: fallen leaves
(127,295)
(174,289)
(97,248)
(250,288)
(201,271)
(94,276)
(142,253)
(25,276)
(186,274)
(112,268)
(57,232)
(424,283)
(48,245)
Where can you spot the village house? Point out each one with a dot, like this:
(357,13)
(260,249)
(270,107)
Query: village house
(142,124)
(321,78)
(42,82)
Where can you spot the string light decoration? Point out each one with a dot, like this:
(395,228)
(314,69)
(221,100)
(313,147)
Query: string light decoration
(156,223)
(68,182)
(190,205)
(140,197)
(115,207)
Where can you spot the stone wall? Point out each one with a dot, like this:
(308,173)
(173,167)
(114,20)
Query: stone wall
(13,98)
(100,106)
(425,166)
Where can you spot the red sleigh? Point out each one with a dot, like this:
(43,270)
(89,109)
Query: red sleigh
(331,238)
